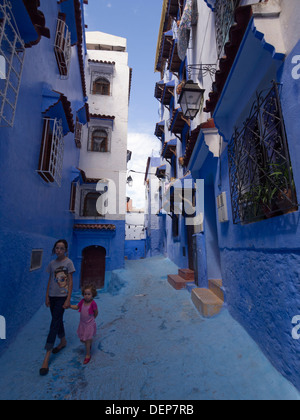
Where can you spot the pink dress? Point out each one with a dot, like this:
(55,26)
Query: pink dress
(87,327)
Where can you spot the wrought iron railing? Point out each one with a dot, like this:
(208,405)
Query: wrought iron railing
(261,175)
(78,134)
(52,151)
(12,55)
(62,47)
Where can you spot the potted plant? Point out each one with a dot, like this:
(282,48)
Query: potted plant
(286,196)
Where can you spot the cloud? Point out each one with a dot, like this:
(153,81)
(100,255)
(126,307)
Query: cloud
(142,145)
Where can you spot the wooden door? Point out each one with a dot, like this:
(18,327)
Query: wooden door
(93,266)
(190,242)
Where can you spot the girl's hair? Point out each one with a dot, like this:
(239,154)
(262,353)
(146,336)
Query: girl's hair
(91,287)
(63,241)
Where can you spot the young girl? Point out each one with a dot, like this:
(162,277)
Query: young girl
(88,313)
(58,298)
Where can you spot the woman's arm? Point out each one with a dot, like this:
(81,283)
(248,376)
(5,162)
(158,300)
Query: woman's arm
(47,300)
(75,307)
(68,300)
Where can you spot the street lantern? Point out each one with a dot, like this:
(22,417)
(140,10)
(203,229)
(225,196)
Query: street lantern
(191,99)
(130,181)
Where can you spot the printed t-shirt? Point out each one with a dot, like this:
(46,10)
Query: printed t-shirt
(59,270)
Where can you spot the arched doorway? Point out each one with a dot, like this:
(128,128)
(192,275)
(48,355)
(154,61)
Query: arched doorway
(93,266)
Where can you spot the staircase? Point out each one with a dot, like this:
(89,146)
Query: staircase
(181,281)
(209,302)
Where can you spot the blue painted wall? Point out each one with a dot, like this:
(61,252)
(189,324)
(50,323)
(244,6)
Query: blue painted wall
(135,250)
(261,261)
(33,214)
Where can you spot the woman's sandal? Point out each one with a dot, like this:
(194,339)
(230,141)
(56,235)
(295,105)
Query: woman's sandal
(57,349)
(44,371)
(87,360)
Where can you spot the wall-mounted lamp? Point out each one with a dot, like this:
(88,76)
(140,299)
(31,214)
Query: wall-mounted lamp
(191,99)
(130,181)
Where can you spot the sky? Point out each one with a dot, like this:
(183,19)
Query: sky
(138,21)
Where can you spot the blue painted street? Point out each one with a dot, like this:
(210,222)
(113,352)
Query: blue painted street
(152,344)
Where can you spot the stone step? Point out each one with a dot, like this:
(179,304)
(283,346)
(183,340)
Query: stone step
(190,286)
(216,287)
(187,274)
(177,282)
(207,303)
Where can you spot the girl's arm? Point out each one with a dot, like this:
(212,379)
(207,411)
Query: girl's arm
(68,300)
(47,301)
(75,307)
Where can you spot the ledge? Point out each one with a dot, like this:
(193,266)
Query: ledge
(259,57)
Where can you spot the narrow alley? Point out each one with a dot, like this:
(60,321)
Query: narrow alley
(152,344)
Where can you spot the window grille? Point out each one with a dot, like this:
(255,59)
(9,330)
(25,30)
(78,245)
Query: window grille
(101,86)
(90,204)
(224,18)
(78,134)
(62,46)
(98,141)
(12,54)
(93,203)
(261,175)
(52,151)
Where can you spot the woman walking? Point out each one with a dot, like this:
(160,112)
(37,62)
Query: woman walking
(58,297)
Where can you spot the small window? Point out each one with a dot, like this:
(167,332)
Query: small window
(62,46)
(90,205)
(101,86)
(78,134)
(98,141)
(36,259)
(73,197)
(52,150)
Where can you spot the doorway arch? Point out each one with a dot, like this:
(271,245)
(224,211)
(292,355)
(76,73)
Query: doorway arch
(93,266)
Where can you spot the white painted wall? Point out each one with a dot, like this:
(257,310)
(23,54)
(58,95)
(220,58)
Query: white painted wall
(111,165)
(135,226)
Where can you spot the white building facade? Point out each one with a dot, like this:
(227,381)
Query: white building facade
(100,205)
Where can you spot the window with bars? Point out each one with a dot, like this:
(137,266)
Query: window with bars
(78,134)
(62,46)
(90,204)
(99,140)
(12,54)
(261,175)
(93,203)
(52,150)
(101,86)
(224,19)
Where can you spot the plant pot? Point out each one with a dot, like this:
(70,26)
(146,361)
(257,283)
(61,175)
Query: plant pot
(284,202)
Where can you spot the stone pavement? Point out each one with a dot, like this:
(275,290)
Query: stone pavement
(152,344)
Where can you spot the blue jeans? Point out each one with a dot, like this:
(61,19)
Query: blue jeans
(57,325)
